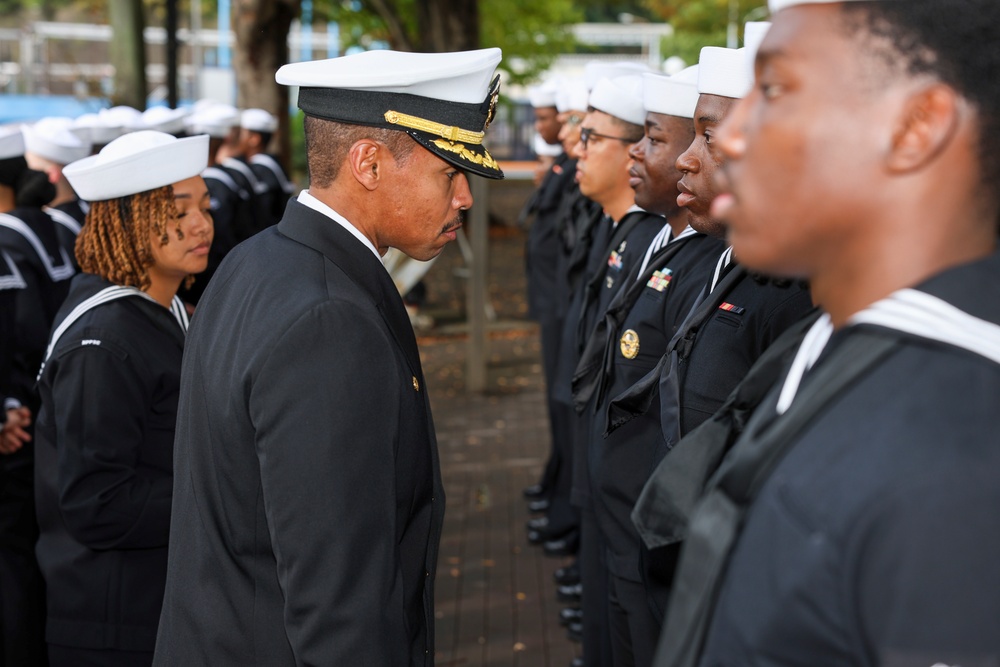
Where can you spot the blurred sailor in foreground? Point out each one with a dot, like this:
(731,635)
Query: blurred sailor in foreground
(854,521)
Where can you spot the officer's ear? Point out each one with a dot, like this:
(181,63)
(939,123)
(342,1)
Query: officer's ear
(364,158)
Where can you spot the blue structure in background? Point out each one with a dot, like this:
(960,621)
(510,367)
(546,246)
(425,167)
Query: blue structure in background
(305,48)
(224,52)
(27,108)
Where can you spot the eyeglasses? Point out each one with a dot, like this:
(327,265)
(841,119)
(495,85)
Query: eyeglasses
(586,133)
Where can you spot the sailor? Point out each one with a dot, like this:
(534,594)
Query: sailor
(308,502)
(257,127)
(737,317)
(854,520)
(50,145)
(234,211)
(33,258)
(109,387)
(629,342)
(614,122)
(239,213)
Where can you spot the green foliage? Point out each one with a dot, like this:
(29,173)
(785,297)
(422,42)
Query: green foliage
(699,23)
(531,33)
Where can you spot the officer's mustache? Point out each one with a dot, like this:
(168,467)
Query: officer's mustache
(454,223)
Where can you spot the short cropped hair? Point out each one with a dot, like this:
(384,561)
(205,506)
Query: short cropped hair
(956,42)
(328,142)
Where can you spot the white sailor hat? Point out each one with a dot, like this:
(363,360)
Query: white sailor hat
(161,119)
(723,72)
(51,138)
(258,120)
(620,97)
(543,95)
(675,95)
(445,101)
(11,143)
(119,118)
(753,34)
(137,162)
(216,121)
(93,128)
(596,70)
(572,96)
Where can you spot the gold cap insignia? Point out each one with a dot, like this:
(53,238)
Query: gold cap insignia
(630,344)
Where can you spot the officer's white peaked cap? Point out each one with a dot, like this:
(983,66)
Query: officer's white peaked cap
(258,120)
(675,95)
(137,162)
(620,97)
(723,72)
(51,138)
(444,101)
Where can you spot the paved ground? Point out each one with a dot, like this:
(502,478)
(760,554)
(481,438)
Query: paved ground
(496,602)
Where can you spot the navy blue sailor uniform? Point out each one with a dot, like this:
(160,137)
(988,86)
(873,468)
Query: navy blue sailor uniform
(736,320)
(29,237)
(258,194)
(621,247)
(630,340)
(103,466)
(279,187)
(70,217)
(43,269)
(323,393)
(546,258)
(854,521)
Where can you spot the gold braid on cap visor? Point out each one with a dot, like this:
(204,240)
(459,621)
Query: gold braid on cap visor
(449,132)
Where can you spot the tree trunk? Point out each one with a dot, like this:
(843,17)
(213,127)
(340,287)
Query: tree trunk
(448,25)
(128,52)
(261,28)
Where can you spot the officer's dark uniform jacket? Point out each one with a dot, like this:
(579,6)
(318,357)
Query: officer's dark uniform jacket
(103,462)
(860,524)
(308,501)
(621,463)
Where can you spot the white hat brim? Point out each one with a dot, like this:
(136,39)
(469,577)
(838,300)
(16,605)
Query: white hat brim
(152,168)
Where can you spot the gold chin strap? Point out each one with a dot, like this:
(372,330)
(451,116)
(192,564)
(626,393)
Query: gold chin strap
(449,132)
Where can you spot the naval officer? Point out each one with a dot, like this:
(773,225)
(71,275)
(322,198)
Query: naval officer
(308,502)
